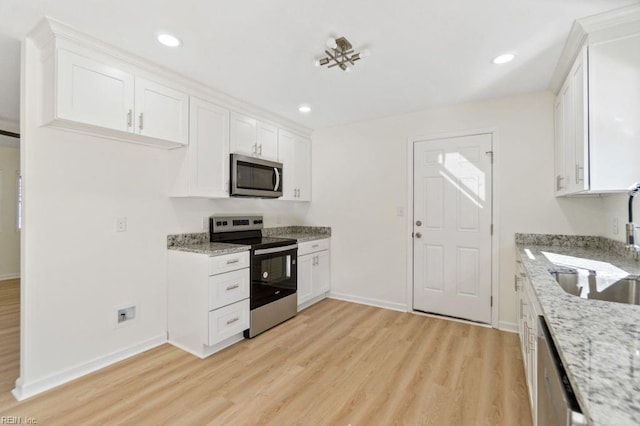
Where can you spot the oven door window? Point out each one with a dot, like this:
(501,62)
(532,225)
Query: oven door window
(273,277)
(255,176)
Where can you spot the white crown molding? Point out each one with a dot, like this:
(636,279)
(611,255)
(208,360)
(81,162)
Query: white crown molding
(592,29)
(45,31)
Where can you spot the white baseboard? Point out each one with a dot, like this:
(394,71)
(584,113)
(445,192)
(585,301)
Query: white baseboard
(508,326)
(9,277)
(27,390)
(371,302)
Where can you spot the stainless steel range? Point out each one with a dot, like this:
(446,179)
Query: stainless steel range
(274,269)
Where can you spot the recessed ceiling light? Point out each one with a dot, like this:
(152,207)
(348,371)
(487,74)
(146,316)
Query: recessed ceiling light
(305,109)
(169,40)
(503,59)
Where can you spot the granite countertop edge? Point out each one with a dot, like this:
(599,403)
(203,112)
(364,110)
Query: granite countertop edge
(581,328)
(199,242)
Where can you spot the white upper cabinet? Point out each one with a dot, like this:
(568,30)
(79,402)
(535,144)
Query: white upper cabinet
(202,169)
(94,93)
(244,131)
(294,152)
(161,112)
(267,141)
(596,120)
(252,137)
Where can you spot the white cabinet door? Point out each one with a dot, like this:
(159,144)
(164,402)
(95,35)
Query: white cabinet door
(208,150)
(579,171)
(286,157)
(243,134)
(302,168)
(321,273)
(267,141)
(305,278)
(161,112)
(93,93)
(560,184)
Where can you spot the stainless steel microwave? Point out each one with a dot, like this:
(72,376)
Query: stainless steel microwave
(254,177)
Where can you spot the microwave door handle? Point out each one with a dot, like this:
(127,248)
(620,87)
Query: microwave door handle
(277,179)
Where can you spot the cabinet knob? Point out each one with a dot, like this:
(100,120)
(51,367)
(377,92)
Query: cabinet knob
(141,121)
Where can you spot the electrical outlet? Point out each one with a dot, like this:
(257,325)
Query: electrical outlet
(125,314)
(121,224)
(614,228)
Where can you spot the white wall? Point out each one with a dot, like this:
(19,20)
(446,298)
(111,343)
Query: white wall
(359,181)
(615,208)
(9,234)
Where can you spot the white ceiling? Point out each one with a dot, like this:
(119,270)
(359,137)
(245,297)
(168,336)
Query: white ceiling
(424,53)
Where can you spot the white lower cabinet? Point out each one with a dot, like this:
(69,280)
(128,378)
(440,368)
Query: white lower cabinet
(528,313)
(314,272)
(208,300)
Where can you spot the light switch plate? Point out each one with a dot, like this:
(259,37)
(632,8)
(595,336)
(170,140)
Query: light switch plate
(121,224)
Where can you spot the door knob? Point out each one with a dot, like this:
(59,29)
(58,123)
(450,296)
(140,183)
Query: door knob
(418,235)
(418,223)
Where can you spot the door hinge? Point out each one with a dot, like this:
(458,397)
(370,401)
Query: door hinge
(490,154)
(491,229)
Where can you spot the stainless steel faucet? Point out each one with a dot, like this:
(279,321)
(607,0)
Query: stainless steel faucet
(632,241)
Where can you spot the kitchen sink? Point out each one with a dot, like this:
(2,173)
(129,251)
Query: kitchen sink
(592,286)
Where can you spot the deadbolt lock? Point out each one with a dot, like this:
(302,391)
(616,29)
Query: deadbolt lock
(418,223)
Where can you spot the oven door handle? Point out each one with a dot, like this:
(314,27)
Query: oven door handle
(275,249)
(277,178)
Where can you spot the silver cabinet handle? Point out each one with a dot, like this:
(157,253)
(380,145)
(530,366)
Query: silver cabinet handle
(579,174)
(141,121)
(277,178)
(559,182)
(254,149)
(232,261)
(260,150)
(233,287)
(232,320)
(516,282)
(129,118)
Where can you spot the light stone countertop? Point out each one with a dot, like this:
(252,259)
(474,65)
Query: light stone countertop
(211,249)
(199,242)
(598,341)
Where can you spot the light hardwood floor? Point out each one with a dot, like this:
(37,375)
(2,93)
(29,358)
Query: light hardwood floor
(336,363)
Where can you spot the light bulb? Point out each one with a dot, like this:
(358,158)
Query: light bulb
(304,108)
(503,59)
(169,40)
(331,43)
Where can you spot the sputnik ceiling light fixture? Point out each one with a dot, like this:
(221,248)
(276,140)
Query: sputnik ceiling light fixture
(341,54)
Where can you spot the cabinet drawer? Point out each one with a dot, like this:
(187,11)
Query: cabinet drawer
(228,262)
(228,321)
(228,288)
(313,246)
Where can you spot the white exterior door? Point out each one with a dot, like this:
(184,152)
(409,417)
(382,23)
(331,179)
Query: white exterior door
(452,227)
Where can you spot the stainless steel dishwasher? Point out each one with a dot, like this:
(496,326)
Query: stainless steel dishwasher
(557,404)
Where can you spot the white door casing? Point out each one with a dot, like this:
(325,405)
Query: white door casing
(452,244)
